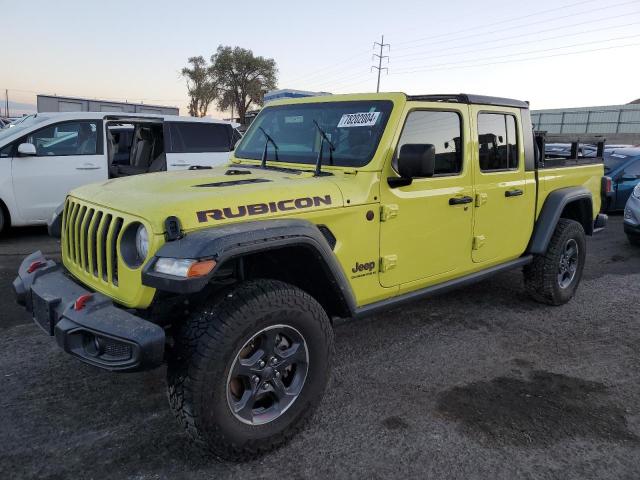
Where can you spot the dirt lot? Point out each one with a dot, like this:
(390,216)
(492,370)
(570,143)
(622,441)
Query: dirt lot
(480,383)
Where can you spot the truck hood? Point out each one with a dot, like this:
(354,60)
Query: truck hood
(202,198)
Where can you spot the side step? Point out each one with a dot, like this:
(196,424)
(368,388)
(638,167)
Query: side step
(441,287)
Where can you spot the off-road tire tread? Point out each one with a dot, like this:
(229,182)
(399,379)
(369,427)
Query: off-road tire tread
(221,321)
(540,276)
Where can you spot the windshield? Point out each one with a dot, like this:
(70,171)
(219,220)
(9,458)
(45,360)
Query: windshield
(354,129)
(23,124)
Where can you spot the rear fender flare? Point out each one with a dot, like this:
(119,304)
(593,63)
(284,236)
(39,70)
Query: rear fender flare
(551,212)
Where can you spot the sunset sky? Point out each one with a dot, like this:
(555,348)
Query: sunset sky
(555,54)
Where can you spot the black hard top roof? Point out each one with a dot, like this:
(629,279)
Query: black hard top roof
(470,99)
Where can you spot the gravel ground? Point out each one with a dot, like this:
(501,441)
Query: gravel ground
(475,384)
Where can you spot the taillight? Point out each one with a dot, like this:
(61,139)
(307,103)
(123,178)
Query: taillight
(606,185)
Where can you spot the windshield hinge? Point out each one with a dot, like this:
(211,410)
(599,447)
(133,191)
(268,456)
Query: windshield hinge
(387,212)
(478,242)
(481,199)
(388,262)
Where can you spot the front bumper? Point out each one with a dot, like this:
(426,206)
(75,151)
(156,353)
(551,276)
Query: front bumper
(86,325)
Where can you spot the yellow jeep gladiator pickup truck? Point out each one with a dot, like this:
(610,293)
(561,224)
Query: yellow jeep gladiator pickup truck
(331,207)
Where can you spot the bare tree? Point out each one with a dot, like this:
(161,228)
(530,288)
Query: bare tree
(201,85)
(242,77)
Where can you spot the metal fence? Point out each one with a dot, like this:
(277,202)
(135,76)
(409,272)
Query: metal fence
(615,119)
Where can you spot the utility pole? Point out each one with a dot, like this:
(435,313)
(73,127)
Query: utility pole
(6,104)
(380,56)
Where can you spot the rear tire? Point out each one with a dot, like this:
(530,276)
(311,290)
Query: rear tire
(553,277)
(3,220)
(235,402)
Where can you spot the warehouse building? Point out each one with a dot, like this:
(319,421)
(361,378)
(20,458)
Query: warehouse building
(617,123)
(54,103)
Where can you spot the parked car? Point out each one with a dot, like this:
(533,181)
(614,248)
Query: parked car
(347,205)
(622,174)
(45,155)
(632,217)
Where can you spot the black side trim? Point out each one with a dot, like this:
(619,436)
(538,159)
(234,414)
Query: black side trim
(528,139)
(551,210)
(441,287)
(232,241)
(469,99)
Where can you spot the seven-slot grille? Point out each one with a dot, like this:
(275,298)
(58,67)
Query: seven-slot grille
(90,240)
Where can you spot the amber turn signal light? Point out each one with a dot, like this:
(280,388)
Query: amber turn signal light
(200,269)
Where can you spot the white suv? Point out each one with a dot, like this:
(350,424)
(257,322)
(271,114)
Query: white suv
(48,154)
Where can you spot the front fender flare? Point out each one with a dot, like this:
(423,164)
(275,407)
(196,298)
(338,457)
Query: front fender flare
(236,240)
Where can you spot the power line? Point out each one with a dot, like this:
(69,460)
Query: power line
(536,40)
(529,52)
(608,7)
(380,56)
(445,67)
(500,22)
(323,70)
(339,66)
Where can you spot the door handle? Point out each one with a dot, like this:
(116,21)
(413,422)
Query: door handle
(460,200)
(88,166)
(513,193)
(183,164)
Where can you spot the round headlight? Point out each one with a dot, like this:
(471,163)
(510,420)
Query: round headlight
(142,242)
(636,191)
(134,245)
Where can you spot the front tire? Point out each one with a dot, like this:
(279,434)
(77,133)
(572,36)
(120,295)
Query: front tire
(249,368)
(553,277)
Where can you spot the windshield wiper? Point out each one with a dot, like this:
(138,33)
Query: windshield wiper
(332,147)
(269,140)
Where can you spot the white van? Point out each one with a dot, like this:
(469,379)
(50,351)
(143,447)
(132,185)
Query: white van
(48,154)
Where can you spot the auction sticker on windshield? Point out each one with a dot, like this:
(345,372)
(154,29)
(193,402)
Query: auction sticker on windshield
(362,119)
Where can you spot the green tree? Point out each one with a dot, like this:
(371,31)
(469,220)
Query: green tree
(243,78)
(202,86)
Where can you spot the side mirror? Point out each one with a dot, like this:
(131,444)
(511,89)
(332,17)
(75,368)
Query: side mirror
(417,160)
(27,150)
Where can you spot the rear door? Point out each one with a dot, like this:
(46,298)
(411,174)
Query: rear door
(69,154)
(504,200)
(204,144)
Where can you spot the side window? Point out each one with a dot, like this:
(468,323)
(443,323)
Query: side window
(441,129)
(69,138)
(632,170)
(198,137)
(6,151)
(497,142)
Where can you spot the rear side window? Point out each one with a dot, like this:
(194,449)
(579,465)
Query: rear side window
(632,170)
(497,142)
(187,137)
(440,129)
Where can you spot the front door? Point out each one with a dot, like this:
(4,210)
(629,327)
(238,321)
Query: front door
(69,155)
(504,192)
(426,226)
